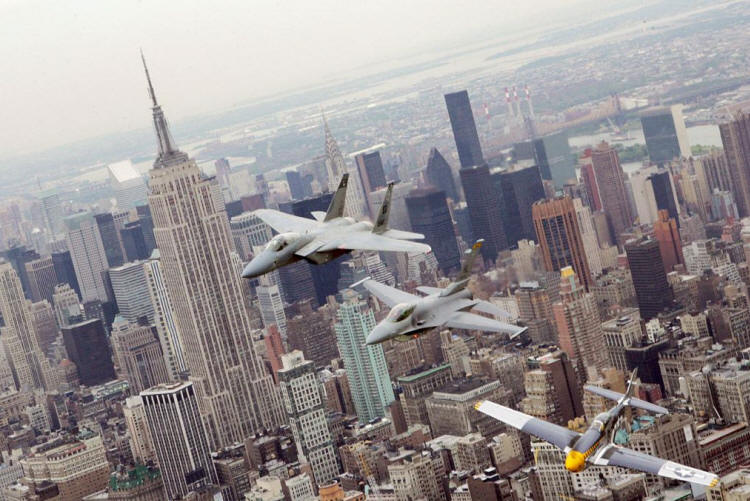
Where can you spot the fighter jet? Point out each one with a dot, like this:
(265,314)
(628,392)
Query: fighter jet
(328,236)
(592,446)
(411,315)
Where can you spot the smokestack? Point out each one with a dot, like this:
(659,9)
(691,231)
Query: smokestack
(510,105)
(528,100)
(518,103)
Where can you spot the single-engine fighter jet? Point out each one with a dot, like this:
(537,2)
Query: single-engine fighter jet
(593,446)
(328,236)
(412,315)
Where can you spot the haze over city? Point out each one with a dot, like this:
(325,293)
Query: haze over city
(343,251)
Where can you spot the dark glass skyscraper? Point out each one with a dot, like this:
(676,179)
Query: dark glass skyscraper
(370,168)
(325,277)
(649,278)
(133,242)
(429,214)
(66,273)
(552,155)
(665,134)
(111,242)
(484,209)
(664,194)
(518,189)
(440,175)
(464,129)
(147,226)
(294,180)
(87,346)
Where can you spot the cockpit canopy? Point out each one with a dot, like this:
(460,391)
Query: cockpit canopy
(279,242)
(401,312)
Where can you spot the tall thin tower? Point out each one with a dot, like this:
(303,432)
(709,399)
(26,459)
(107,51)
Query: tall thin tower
(235,395)
(336,167)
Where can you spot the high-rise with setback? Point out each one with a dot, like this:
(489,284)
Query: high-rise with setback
(29,366)
(439,174)
(610,181)
(235,394)
(559,235)
(336,167)
(302,395)
(365,365)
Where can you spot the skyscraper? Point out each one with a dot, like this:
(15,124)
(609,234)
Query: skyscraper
(179,437)
(88,256)
(664,194)
(552,155)
(42,278)
(665,133)
(311,331)
(484,212)
(296,188)
(440,175)
(133,242)
(588,178)
(65,271)
(559,236)
(735,137)
(110,239)
(305,409)
(87,346)
(164,319)
(138,355)
(365,365)
(464,129)
(336,167)
(67,305)
(429,215)
(249,231)
(271,306)
(370,169)
(649,278)
(130,287)
(127,183)
(209,298)
(53,214)
(610,181)
(579,328)
(670,245)
(518,190)
(29,366)
(147,226)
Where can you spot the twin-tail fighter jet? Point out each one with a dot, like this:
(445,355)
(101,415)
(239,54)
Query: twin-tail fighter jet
(328,236)
(412,315)
(594,446)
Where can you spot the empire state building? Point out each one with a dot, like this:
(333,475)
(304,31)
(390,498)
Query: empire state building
(235,394)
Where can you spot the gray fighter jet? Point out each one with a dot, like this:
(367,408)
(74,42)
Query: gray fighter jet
(411,315)
(328,236)
(593,446)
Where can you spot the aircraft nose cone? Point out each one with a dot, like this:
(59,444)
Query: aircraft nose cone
(260,264)
(379,334)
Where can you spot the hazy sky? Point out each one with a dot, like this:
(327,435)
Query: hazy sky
(70,69)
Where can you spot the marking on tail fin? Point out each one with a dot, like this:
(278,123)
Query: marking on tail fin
(336,208)
(381,222)
(471,255)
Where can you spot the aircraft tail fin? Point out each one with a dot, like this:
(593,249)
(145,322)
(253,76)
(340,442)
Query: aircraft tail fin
(381,223)
(471,256)
(336,209)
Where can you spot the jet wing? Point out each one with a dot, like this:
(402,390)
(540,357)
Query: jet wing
(429,290)
(283,223)
(469,321)
(309,248)
(401,234)
(364,240)
(389,295)
(628,458)
(558,436)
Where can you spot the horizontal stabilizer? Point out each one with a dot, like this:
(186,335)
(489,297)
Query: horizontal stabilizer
(319,215)
(428,291)
(630,401)
(491,309)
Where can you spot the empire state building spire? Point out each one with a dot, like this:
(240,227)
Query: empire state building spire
(167,150)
